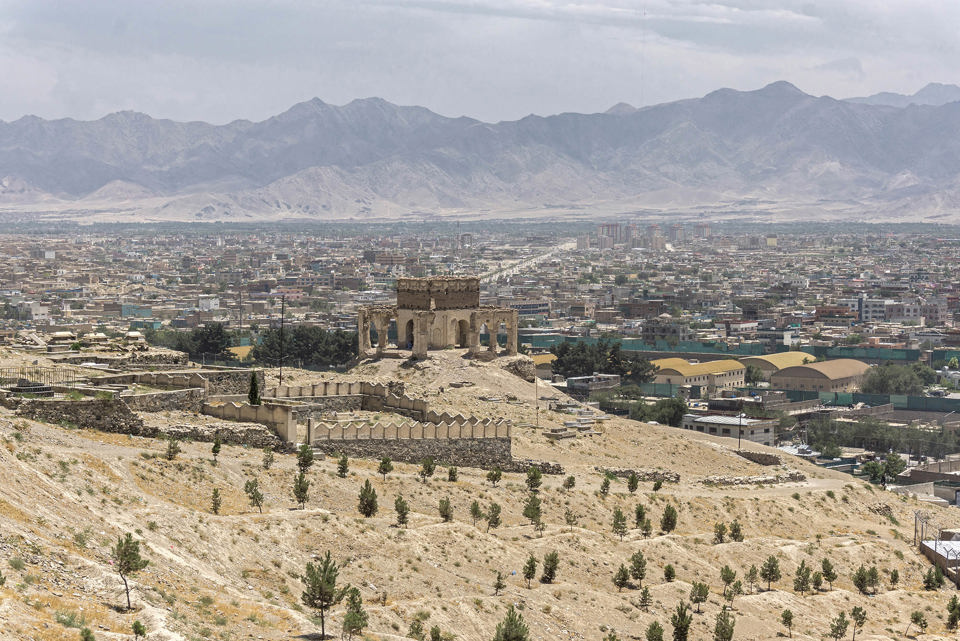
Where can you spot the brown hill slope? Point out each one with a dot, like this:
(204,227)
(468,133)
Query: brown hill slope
(66,495)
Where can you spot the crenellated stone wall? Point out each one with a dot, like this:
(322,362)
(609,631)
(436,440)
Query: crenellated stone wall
(465,452)
(188,400)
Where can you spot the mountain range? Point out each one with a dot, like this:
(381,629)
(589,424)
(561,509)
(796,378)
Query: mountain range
(776,151)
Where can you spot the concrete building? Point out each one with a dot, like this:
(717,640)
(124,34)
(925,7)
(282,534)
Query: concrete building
(435,313)
(840,375)
(749,429)
(712,375)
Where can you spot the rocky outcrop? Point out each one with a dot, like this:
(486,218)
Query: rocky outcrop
(104,414)
(643,475)
(521,366)
(721,481)
(250,434)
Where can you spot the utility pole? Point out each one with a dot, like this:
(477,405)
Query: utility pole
(283,301)
(740,427)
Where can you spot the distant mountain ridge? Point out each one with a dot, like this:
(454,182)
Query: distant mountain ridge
(370,158)
(934,94)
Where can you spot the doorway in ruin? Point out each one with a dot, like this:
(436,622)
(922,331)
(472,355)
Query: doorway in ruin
(463,331)
(409,334)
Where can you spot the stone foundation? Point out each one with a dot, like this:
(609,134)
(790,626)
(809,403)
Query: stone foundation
(642,475)
(106,415)
(485,453)
(188,400)
(761,457)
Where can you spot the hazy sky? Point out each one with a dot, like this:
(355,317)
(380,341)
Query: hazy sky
(218,60)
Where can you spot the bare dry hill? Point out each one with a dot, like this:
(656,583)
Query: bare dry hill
(66,495)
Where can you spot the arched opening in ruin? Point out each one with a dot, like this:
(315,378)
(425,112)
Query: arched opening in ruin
(408,335)
(463,333)
(484,329)
(374,337)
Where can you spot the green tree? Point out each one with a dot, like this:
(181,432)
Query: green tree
(828,571)
(633,482)
(139,630)
(719,532)
(646,600)
(638,567)
(493,516)
(343,466)
(699,593)
(267,457)
(752,576)
(646,528)
(669,574)
(301,489)
(953,613)
(727,576)
(215,501)
(427,467)
(173,448)
(532,510)
(801,579)
(816,581)
(476,512)
(402,510)
(892,379)
(494,476)
(621,578)
(512,628)
(534,478)
(452,474)
(314,346)
(498,583)
(304,458)
(753,375)
(355,619)
(253,396)
(368,499)
(127,561)
(215,450)
(736,531)
(860,579)
(445,509)
(681,620)
(858,616)
(385,467)
(894,577)
(723,627)
(669,519)
(770,570)
(551,562)
(252,489)
(530,569)
(654,632)
(838,626)
(619,522)
(320,588)
(639,515)
(786,618)
(86,634)
(570,482)
(604,487)
(211,341)
(918,619)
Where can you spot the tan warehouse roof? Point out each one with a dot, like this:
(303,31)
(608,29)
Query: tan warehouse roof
(780,360)
(686,368)
(833,370)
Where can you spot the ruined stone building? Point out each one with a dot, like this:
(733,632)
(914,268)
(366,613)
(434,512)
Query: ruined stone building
(436,313)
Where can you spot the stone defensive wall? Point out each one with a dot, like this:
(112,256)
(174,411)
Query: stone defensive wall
(485,444)
(373,397)
(281,418)
(233,381)
(104,414)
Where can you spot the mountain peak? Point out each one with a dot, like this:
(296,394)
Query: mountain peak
(781,87)
(621,109)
